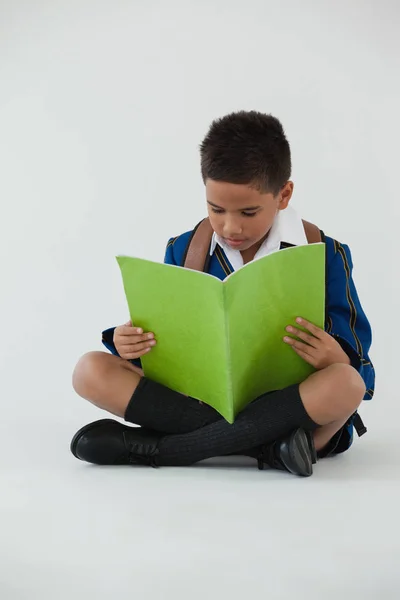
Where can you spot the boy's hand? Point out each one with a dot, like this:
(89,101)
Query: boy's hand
(131,342)
(317,347)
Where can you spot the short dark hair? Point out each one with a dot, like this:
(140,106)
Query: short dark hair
(247,148)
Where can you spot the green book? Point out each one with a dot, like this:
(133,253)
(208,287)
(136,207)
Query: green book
(221,341)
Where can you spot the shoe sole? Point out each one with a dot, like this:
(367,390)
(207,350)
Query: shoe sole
(83,430)
(314,454)
(304,450)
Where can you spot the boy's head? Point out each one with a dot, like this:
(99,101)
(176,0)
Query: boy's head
(246,166)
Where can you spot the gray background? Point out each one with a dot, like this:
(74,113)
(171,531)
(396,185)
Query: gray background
(102,108)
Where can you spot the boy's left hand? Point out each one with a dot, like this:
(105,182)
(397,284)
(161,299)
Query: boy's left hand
(317,347)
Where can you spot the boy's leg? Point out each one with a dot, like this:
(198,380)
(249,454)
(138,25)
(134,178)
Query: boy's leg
(119,387)
(325,401)
(324,435)
(327,398)
(106,381)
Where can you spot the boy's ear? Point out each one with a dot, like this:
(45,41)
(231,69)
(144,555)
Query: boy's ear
(285,195)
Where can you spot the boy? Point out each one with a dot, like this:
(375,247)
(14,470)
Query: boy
(246,168)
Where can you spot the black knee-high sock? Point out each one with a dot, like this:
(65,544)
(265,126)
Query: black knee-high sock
(157,407)
(263,421)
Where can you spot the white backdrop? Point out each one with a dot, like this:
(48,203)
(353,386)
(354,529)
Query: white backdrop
(102,108)
(102,111)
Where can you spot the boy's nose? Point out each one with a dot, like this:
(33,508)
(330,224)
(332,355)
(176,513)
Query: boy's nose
(232,229)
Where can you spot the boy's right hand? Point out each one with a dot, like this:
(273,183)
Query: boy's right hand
(130,342)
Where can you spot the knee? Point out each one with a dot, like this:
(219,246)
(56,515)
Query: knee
(346,377)
(332,394)
(89,372)
(347,386)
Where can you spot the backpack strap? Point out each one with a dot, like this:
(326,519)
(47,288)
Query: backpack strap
(359,425)
(313,233)
(199,243)
(198,246)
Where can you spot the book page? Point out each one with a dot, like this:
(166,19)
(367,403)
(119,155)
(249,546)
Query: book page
(184,309)
(262,299)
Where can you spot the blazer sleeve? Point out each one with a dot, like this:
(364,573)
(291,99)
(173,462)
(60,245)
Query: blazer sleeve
(108,334)
(169,257)
(346,319)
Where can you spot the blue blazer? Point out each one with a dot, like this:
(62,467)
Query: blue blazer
(345,319)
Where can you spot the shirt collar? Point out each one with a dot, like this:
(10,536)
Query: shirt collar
(287,227)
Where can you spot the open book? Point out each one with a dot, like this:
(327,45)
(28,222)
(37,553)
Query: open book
(221,341)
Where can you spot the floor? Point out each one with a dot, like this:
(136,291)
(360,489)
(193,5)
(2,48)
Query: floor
(221,529)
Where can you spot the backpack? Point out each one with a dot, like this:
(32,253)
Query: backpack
(197,250)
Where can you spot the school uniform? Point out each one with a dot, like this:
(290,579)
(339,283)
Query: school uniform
(345,319)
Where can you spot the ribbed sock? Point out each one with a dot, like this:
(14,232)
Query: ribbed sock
(157,407)
(263,421)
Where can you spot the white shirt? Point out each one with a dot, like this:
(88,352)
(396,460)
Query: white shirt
(287,227)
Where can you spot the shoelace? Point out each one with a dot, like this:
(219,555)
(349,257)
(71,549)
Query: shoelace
(138,459)
(267,457)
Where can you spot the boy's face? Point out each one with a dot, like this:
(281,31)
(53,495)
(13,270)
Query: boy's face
(242,215)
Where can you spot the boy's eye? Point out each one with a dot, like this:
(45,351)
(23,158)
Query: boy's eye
(219,211)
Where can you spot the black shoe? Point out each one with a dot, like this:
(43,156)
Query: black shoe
(295,453)
(108,442)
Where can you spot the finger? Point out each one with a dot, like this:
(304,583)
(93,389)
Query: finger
(129,348)
(129,330)
(298,345)
(303,335)
(307,357)
(135,331)
(316,331)
(128,340)
(133,355)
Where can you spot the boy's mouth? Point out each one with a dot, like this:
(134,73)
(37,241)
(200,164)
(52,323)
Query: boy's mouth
(234,243)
